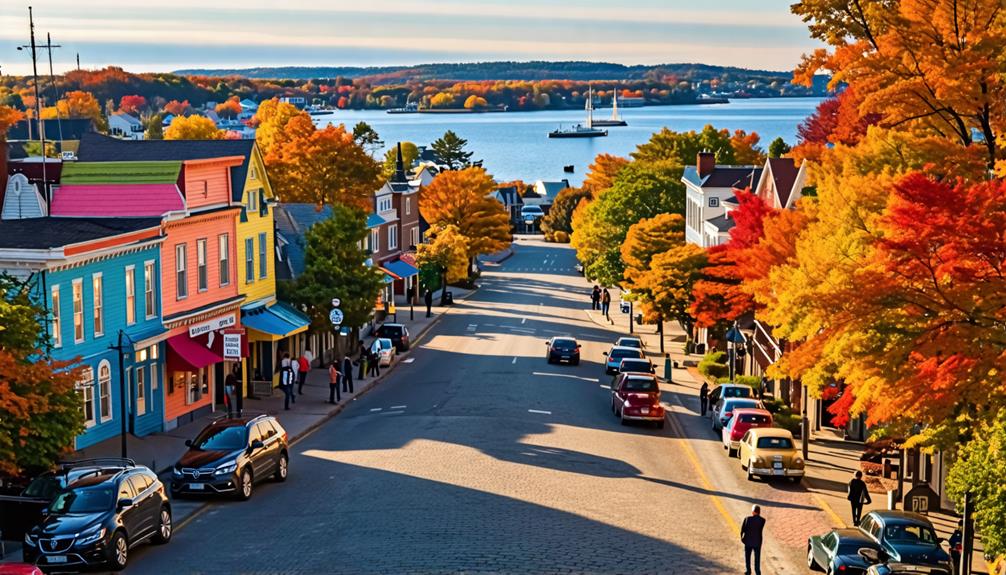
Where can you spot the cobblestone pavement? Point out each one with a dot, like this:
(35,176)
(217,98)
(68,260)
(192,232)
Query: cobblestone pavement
(478,457)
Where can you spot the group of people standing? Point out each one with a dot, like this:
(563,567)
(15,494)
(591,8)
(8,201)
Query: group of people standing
(600,299)
(293,373)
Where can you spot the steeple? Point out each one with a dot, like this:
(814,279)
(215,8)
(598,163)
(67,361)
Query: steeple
(399,176)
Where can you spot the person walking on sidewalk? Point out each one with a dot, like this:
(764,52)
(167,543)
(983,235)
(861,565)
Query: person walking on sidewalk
(334,375)
(605,302)
(287,378)
(751,536)
(303,368)
(704,397)
(374,361)
(428,298)
(595,298)
(858,494)
(347,374)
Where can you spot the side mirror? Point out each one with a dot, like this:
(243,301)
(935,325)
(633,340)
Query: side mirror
(257,444)
(870,555)
(123,504)
(188,443)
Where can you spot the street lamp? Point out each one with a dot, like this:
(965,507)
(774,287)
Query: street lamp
(123,392)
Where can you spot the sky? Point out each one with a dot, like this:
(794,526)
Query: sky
(165,35)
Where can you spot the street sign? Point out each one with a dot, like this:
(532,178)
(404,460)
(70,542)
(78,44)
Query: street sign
(735,335)
(335,316)
(336,301)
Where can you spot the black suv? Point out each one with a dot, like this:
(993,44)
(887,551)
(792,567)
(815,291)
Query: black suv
(230,455)
(397,333)
(98,517)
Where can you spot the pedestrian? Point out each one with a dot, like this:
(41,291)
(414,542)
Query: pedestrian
(956,544)
(704,397)
(303,368)
(347,374)
(428,298)
(763,387)
(334,375)
(751,536)
(374,362)
(605,302)
(287,377)
(595,298)
(858,494)
(230,386)
(362,362)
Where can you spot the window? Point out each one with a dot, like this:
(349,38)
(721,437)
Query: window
(57,336)
(254,173)
(98,297)
(249,260)
(87,394)
(105,390)
(263,263)
(149,304)
(251,202)
(130,295)
(408,206)
(392,237)
(714,202)
(375,241)
(78,310)
(415,235)
(154,375)
(384,204)
(181,280)
(225,262)
(202,281)
(141,390)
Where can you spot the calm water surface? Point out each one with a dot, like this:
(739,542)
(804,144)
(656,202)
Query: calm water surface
(516,145)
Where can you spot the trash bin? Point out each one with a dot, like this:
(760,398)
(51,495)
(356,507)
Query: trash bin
(449,298)
(700,349)
(639,319)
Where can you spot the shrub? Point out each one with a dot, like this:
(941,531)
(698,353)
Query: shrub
(788,421)
(560,237)
(712,365)
(776,405)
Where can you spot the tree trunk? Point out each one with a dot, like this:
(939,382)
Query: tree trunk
(443,287)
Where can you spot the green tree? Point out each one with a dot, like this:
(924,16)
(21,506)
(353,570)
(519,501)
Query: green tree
(409,154)
(560,215)
(778,148)
(367,137)
(978,469)
(335,267)
(447,254)
(155,128)
(450,148)
(685,146)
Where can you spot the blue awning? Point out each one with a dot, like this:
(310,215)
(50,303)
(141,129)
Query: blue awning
(374,220)
(278,320)
(147,337)
(401,269)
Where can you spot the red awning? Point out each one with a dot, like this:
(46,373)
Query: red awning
(187,354)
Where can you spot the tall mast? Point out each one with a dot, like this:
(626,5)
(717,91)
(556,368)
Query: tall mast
(590,107)
(614,104)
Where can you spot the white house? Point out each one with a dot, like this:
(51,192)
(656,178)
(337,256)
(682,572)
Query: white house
(708,188)
(125,126)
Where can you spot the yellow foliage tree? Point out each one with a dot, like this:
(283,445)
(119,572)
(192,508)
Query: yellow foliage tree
(77,104)
(601,174)
(442,100)
(476,103)
(447,253)
(461,198)
(274,126)
(193,128)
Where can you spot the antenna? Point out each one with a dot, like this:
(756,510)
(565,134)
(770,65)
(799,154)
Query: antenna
(38,100)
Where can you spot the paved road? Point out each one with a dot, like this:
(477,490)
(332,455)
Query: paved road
(480,457)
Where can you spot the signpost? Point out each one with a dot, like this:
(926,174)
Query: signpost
(335,316)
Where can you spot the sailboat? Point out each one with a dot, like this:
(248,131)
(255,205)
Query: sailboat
(615,120)
(581,130)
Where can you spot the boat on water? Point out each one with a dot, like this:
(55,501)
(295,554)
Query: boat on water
(410,108)
(581,130)
(320,111)
(615,120)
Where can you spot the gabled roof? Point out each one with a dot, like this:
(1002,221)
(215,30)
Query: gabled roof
(116,200)
(98,148)
(56,232)
(374,220)
(784,174)
(552,189)
(128,118)
(89,173)
(723,223)
(508,196)
(739,177)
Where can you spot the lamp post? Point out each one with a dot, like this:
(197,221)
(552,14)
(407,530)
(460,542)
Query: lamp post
(123,392)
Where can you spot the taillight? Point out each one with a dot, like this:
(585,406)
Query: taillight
(728,414)
(958,548)
(841,567)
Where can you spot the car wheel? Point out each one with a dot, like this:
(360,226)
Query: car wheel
(246,485)
(731,452)
(750,475)
(811,562)
(282,468)
(118,551)
(164,528)
(796,480)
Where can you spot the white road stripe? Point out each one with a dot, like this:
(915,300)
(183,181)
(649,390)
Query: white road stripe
(392,412)
(605,387)
(375,409)
(594,379)
(409,360)
(523,320)
(399,406)
(514,360)
(539,411)
(522,330)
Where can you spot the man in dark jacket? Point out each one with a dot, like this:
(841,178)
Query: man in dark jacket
(595,298)
(858,495)
(704,397)
(347,375)
(751,536)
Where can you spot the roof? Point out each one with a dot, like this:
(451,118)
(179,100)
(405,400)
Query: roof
(374,220)
(70,128)
(895,516)
(292,222)
(552,189)
(56,232)
(739,177)
(108,200)
(98,148)
(850,534)
(508,196)
(723,223)
(784,173)
(128,118)
(121,173)
(751,411)
(770,431)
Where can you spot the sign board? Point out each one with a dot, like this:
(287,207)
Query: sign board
(232,346)
(335,316)
(68,156)
(344,331)
(336,301)
(922,499)
(212,325)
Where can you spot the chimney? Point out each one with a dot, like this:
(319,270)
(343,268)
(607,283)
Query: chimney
(705,163)
(399,167)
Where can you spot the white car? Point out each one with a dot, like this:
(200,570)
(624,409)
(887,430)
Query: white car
(386,349)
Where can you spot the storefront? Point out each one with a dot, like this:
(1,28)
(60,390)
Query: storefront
(406,279)
(273,330)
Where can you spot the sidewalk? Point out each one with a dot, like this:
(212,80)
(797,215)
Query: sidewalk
(161,450)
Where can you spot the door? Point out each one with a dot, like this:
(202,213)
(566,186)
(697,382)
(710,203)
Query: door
(148,506)
(258,455)
(271,440)
(130,517)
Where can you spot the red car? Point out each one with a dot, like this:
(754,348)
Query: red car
(741,421)
(19,569)
(636,397)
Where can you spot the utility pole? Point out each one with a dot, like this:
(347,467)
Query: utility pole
(78,61)
(967,535)
(52,83)
(123,393)
(38,102)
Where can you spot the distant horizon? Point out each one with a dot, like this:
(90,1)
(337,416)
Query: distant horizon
(169,35)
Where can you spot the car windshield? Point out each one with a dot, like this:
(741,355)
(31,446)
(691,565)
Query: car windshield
(391,330)
(775,443)
(82,500)
(641,384)
(222,439)
(739,404)
(909,533)
(754,418)
(564,344)
(635,365)
(630,342)
(43,488)
(623,353)
(736,392)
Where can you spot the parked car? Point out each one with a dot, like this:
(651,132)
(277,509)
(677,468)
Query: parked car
(837,552)
(770,452)
(630,341)
(636,397)
(385,350)
(729,390)
(906,569)
(743,420)
(230,455)
(562,349)
(98,519)
(905,537)
(615,355)
(724,410)
(636,365)
(19,569)
(397,333)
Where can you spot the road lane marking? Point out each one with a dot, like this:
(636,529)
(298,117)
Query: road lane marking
(409,360)
(522,330)
(594,379)
(393,413)
(375,409)
(605,386)
(539,411)
(514,360)
(523,320)
(398,406)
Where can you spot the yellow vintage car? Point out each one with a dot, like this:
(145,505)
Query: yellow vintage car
(770,452)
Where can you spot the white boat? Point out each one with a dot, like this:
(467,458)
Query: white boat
(581,130)
(615,120)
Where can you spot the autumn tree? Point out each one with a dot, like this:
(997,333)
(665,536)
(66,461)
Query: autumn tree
(601,174)
(450,148)
(645,240)
(132,104)
(778,148)
(474,102)
(836,120)
(461,198)
(275,125)
(977,471)
(154,128)
(193,128)
(670,280)
(447,254)
(230,108)
(409,155)
(560,215)
(737,148)
(176,108)
(78,104)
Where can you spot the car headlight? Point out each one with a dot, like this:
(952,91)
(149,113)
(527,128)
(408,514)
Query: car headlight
(226,469)
(176,472)
(759,461)
(29,540)
(91,535)
(798,461)
(625,403)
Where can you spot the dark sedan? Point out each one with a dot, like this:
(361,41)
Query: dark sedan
(837,551)
(905,537)
(562,349)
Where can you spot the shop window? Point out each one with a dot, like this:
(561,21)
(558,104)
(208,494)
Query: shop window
(87,395)
(105,390)
(130,295)
(78,311)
